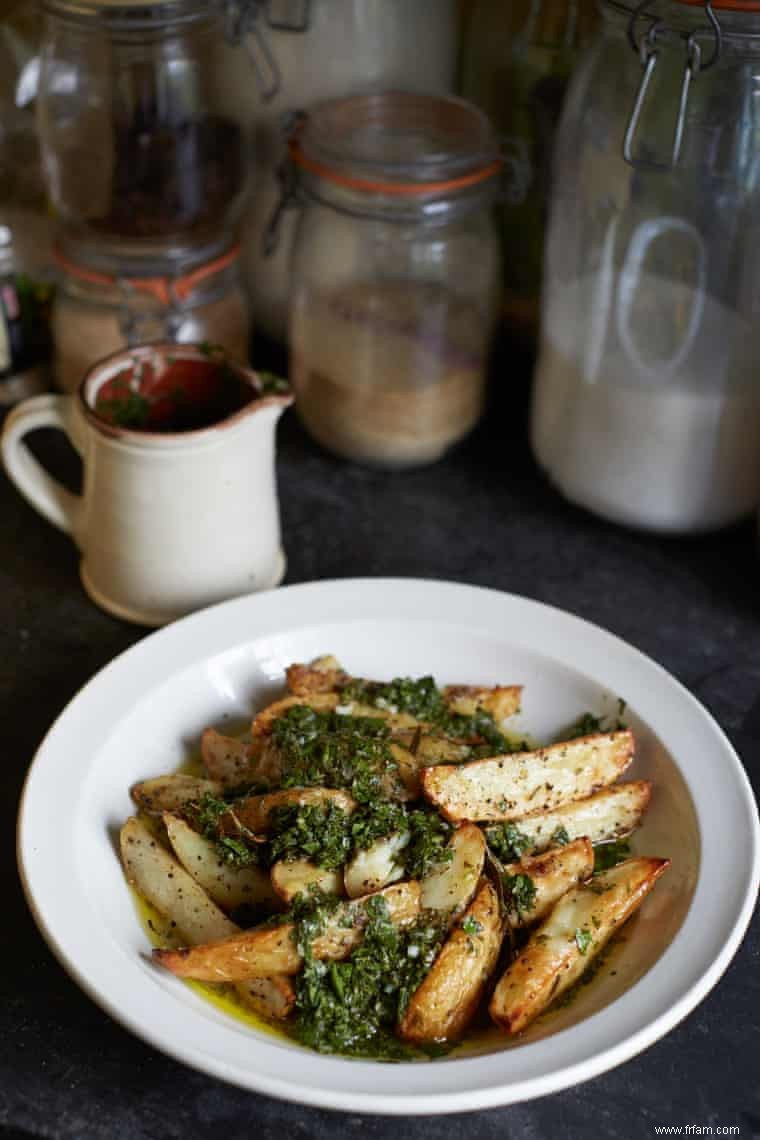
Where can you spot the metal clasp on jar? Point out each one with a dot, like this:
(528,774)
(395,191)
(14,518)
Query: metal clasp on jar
(290,185)
(647,46)
(243,21)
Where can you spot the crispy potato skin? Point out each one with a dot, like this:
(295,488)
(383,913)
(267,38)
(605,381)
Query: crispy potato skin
(446,1001)
(263,721)
(228,886)
(168,887)
(226,759)
(428,750)
(324,675)
(610,813)
(252,814)
(508,787)
(552,959)
(291,879)
(171,793)
(262,952)
(375,867)
(501,702)
(450,886)
(272,998)
(553,874)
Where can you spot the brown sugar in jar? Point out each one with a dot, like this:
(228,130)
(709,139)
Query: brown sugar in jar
(394,275)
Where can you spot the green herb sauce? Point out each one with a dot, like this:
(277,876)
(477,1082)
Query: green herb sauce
(325,749)
(608,855)
(204,815)
(519,893)
(352,1007)
(423,700)
(328,836)
(508,843)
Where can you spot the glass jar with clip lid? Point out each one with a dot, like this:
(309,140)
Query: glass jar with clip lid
(646,402)
(395,273)
(102,305)
(135,144)
(283,54)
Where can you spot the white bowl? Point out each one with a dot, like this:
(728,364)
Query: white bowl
(141,714)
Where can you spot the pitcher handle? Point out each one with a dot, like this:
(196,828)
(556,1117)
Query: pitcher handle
(47,495)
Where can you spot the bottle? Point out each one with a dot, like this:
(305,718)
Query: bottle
(24,328)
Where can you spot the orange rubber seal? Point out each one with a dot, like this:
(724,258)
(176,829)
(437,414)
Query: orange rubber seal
(727,5)
(397,188)
(164,289)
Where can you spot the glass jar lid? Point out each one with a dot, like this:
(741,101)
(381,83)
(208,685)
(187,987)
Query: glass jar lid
(397,143)
(131,14)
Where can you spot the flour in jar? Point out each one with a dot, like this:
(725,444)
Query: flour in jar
(650,416)
(388,372)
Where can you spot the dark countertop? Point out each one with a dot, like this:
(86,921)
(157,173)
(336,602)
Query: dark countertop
(483,516)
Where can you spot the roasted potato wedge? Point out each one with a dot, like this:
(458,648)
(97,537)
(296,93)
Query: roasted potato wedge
(270,998)
(263,721)
(264,951)
(291,879)
(171,793)
(500,702)
(407,787)
(251,815)
(323,675)
(226,759)
(608,814)
(432,749)
(451,886)
(230,887)
(551,875)
(413,751)
(168,887)
(396,721)
(508,787)
(444,1004)
(376,867)
(562,947)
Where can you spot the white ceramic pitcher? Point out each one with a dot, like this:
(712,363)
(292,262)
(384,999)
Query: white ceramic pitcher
(169,520)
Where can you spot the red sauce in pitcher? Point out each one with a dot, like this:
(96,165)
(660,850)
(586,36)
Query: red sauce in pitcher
(173,394)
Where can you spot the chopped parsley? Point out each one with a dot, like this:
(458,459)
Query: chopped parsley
(272,385)
(422,699)
(428,843)
(328,836)
(326,749)
(205,815)
(559,838)
(126,408)
(507,842)
(594,967)
(589,725)
(519,893)
(607,855)
(318,833)
(376,821)
(586,725)
(352,1007)
(583,939)
(471,926)
(429,834)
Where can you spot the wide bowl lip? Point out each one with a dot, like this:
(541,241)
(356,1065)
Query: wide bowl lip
(152,439)
(440,1101)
